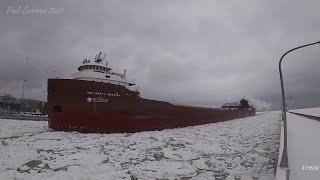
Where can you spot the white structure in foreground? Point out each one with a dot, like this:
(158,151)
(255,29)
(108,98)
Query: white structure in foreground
(303,147)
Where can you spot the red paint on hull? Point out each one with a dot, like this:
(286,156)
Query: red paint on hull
(87,106)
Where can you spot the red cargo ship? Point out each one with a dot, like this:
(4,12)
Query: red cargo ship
(97,99)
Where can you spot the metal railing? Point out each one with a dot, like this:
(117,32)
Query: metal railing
(284,157)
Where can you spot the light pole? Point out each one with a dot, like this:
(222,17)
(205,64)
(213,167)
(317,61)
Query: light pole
(22,96)
(43,73)
(284,157)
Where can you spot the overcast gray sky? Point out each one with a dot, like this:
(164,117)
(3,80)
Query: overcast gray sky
(196,52)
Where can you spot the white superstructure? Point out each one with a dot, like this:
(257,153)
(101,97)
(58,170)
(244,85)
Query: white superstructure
(99,70)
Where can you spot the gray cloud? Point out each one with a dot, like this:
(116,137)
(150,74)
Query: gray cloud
(199,52)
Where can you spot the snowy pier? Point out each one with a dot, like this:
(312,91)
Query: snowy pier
(308,114)
(303,146)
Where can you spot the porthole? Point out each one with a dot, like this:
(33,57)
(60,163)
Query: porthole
(57,109)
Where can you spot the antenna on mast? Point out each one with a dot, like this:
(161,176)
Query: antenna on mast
(98,58)
(105,57)
(85,60)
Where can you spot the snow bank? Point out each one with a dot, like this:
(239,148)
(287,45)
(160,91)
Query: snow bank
(308,111)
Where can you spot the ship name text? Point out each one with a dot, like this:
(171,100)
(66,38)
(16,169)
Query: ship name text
(103,93)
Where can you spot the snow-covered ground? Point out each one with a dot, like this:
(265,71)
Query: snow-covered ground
(303,147)
(308,111)
(246,147)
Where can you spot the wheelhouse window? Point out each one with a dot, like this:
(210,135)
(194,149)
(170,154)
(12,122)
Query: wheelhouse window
(93,67)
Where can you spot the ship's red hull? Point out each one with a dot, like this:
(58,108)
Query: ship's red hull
(87,106)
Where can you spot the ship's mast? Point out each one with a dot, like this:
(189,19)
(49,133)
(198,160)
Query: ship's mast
(98,58)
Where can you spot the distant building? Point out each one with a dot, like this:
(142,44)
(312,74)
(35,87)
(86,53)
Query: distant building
(10,103)
(8,98)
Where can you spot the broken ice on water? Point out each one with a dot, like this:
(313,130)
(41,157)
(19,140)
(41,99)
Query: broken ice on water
(245,148)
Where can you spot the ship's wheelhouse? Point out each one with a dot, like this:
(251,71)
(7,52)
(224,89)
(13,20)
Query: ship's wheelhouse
(99,71)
